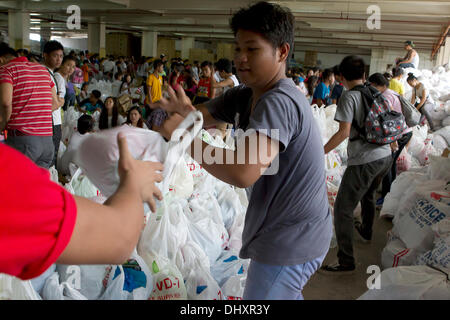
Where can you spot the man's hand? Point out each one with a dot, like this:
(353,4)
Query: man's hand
(394,146)
(142,175)
(178,102)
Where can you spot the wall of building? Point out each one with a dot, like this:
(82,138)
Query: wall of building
(327,60)
(383,59)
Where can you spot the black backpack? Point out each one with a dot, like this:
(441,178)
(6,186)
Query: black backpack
(381,125)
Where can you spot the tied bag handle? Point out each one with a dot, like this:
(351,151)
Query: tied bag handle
(180,141)
(178,144)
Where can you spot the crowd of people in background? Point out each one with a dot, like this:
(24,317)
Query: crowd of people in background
(72,73)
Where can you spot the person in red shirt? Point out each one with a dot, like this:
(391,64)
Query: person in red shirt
(27,99)
(42,223)
(205,89)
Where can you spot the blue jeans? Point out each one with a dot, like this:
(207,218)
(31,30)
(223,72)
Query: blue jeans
(268,282)
(406,65)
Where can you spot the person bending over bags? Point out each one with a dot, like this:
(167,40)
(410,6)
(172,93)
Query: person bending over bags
(41,223)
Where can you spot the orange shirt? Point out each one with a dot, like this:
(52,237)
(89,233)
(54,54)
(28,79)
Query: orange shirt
(85,69)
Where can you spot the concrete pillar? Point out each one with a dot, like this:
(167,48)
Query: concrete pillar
(149,45)
(46,34)
(97,38)
(19,29)
(186,45)
(446,51)
(376,61)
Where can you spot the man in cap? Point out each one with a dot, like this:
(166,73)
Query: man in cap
(411,60)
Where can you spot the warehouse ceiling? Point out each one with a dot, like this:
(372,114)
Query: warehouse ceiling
(333,26)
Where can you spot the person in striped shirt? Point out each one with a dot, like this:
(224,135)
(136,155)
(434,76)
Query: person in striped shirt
(27,99)
(53,56)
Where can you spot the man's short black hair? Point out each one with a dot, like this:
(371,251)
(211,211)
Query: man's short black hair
(6,50)
(206,64)
(326,74)
(352,68)
(85,124)
(379,80)
(52,45)
(224,65)
(273,22)
(336,70)
(97,94)
(157,63)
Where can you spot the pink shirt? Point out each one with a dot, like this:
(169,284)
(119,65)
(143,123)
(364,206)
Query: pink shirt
(394,101)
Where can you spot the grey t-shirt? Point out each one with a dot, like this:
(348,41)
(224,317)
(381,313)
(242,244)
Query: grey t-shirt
(359,152)
(288,221)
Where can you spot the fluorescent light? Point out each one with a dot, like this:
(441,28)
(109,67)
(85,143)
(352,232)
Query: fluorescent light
(35,36)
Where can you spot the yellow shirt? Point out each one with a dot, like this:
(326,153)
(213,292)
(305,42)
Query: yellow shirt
(155,85)
(397,86)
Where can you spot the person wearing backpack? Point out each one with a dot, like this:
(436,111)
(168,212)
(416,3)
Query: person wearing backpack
(368,163)
(378,81)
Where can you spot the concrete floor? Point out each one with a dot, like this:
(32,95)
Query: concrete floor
(350,287)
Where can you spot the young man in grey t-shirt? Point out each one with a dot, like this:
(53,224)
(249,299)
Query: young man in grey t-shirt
(287,229)
(367,165)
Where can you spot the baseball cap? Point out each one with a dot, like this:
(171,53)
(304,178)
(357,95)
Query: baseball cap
(408,42)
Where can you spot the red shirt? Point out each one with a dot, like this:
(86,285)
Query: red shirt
(37,216)
(204,87)
(32,96)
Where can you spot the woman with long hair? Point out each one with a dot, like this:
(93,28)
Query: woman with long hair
(134,118)
(110,117)
(311,84)
(125,87)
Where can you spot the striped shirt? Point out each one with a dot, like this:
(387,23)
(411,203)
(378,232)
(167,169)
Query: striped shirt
(32,97)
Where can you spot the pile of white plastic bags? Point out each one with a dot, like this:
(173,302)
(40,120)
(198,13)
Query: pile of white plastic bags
(416,259)
(188,248)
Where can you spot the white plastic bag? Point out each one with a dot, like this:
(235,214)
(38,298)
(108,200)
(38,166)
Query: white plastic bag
(80,185)
(414,228)
(87,279)
(230,205)
(428,189)
(332,191)
(54,290)
(321,121)
(132,281)
(200,285)
(445,133)
(165,232)
(229,265)
(439,168)
(189,256)
(12,288)
(181,181)
(54,174)
(206,226)
(438,257)
(235,233)
(99,153)
(410,283)
(404,162)
(396,254)
(168,282)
